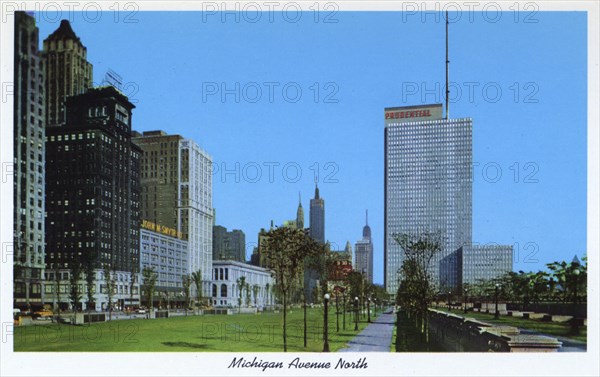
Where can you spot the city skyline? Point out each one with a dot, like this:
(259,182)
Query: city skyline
(511,136)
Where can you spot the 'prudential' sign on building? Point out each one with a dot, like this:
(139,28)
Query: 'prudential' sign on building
(413,113)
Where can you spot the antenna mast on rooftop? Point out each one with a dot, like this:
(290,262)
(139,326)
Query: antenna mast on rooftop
(447,64)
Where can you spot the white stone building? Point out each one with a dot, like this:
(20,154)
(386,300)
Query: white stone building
(124,292)
(225,285)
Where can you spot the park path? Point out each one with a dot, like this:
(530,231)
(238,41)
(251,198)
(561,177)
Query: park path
(376,337)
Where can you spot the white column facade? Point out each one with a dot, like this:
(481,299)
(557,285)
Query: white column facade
(225,285)
(195,207)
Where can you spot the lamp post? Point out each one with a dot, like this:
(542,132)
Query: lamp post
(325,323)
(465,300)
(356,313)
(362,294)
(497,312)
(369,309)
(337,312)
(449,309)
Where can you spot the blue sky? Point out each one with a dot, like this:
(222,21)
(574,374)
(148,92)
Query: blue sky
(366,61)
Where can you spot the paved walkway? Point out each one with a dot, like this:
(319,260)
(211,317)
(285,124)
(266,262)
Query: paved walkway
(376,337)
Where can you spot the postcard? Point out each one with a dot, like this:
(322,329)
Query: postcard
(299,188)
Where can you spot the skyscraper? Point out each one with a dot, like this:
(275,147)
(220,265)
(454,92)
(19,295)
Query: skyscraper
(363,257)
(93,199)
(93,187)
(68,72)
(317,232)
(428,182)
(258,254)
(300,214)
(298,222)
(176,176)
(317,217)
(228,245)
(29,159)
(484,262)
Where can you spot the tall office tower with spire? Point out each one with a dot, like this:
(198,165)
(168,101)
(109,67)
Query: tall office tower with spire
(363,254)
(29,159)
(317,217)
(317,232)
(68,72)
(300,214)
(427,183)
(298,222)
(176,181)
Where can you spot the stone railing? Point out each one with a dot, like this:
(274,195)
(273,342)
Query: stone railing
(459,334)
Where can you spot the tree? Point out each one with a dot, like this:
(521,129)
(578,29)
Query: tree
(109,282)
(516,287)
(570,286)
(57,284)
(186,282)
(416,289)
(90,279)
(132,281)
(150,277)
(379,293)
(255,290)
(197,280)
(241,282)
(248,296)
(268,294)
(74,292)
(321,259)
(317,258)
(538,284)
(355,281)
(284,254)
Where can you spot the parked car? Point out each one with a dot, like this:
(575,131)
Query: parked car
(43,313)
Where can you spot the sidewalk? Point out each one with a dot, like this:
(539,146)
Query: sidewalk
(376,337)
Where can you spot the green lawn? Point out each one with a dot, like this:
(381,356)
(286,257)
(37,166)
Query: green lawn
(548,328)
(217,333)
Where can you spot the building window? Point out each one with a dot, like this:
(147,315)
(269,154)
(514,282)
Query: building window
(223,290)
(19,288)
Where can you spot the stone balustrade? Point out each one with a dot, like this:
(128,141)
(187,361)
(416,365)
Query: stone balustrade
(459,334)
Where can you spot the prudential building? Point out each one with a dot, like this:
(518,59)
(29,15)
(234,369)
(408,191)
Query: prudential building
(428,184)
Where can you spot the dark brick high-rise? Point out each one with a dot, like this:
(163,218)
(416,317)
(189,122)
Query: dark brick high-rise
(68,72)
(93,184)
